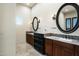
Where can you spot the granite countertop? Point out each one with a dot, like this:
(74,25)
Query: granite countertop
(71,41)
(31,33)
(66,40)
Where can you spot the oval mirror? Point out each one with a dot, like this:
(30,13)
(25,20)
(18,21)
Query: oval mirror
(35,23)
(67,18)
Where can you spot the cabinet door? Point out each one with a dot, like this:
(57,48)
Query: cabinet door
(62,49)
(76,50)
(67,52)
(29,39)
(57,50)
(48,47)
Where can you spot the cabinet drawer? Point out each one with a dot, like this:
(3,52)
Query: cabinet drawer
(62,44)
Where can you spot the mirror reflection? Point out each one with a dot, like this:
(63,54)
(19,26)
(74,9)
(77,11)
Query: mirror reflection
(68,18)
(35,23)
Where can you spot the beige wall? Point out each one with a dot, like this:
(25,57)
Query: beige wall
(10,30)
(7,29)
(23,14)
(62,21)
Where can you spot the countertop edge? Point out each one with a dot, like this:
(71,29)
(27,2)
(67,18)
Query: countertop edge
(74,42)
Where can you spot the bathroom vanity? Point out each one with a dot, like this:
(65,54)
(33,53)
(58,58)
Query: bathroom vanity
(64,45)
(56,46)
(37,41)
(30,38)
(61,47)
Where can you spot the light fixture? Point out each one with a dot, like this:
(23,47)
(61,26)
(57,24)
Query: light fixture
(54,17)
(66,10)
(39,20)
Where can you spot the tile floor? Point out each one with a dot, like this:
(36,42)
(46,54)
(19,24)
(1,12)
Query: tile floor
(24,49)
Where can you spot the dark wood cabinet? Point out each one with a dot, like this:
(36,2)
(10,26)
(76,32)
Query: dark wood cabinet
(39,42)
(48,47)
(56,50)
(53,47)
(62,49)
(76,50)
(29,39)
(67,52)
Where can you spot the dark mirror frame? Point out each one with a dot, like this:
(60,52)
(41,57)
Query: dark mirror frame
(35,29)
(58,13)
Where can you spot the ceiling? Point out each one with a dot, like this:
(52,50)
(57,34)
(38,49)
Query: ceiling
(68,8)
(30,5)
